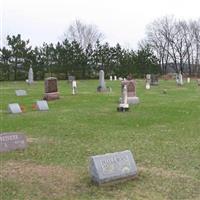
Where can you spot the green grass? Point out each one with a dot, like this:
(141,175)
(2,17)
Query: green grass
(162,132)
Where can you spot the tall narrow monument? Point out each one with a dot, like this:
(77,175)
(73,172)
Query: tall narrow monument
(30,76)
(102,84)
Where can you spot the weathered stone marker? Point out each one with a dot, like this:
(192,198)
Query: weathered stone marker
(42,105)
(14,108)
(12,141)
(112,167)
(51,89)
(20,92)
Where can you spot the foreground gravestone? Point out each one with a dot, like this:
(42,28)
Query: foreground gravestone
(14,108)
(12,141)
(42,105)
(21,92)
(131,90)
(51,89)
(112,167)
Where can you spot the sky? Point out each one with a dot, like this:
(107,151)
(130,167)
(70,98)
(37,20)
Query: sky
(121,21)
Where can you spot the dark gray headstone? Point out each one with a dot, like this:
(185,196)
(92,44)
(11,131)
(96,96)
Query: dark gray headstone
(14,108)
(112,167)
(20,92)
(12,141)
(42,105)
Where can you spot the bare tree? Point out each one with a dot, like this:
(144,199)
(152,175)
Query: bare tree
(84,34)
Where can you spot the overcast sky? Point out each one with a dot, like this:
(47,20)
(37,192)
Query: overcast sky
(122,21)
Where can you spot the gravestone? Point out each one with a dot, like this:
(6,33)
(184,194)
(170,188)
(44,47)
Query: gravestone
(71,78)
(51,89)
(21,92)
(148,86)
(30,76)
(123,106)
(179,79)
(111,78)
(131,91)
(188,79)
(154,79)
(198,82)
(112,167)
(148,81)
(12,141)
(120,79)
(74,87)
(115,78)
(102,85)
(42,105)
(14,108)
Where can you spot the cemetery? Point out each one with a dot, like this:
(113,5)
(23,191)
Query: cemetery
(99,100)
(82,148)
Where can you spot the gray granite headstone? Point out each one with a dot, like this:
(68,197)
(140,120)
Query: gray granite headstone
(112,167)
(30,76)
(14,108)
(12,141)
(42,105)
(20,92)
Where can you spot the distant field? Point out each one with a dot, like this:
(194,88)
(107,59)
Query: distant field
(163,132)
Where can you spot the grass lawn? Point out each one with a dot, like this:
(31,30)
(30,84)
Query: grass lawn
(163,133)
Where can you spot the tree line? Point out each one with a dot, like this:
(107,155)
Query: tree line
(81,53)
(176,44)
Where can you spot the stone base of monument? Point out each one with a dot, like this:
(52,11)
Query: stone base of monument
(112,167)
(51,96)
(133,100)
(123,107)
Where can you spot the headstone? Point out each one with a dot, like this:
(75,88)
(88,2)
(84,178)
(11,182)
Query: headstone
(42,105)
(111,78)
(112,167)
(51,89)
(30,76)
(20,92)
(102,85)
(12,141)
(154,79)
(131,91)
(148,81)
(179,79)
(14,108)
(123,106)
(198,82)
(148,86)
(71,78)
(115,78)
(188,79)
(74,87)
(120,79)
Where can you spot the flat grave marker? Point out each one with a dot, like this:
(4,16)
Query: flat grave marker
(112,167)
(42,105)
(21,92)
(12,141)
(14,108)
